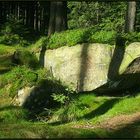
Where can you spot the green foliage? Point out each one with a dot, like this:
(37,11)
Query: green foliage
(13,114)
(41,42)
(39,45)
(104,37)
(15,26)
(12,33)
(24,57)
(69,37)
(125,106)
(96,109)
(5,58)
(73,37)
(4,49)
(60,98)
(17,78)
(131,37)
(13,118)
(9,38)
(90,35)
(77,107)
(103,14)
(42,74)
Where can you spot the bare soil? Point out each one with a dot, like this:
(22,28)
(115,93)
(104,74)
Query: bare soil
(114,123)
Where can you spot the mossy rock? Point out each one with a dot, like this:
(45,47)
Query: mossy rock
(86,67)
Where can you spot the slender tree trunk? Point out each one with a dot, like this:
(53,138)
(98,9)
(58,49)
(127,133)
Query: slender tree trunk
(58,17)
(18,10)
(4,12)
(51,28)
(36,17)
(31,15)
(1,13)
(46,13)
(64,12)
(130,16)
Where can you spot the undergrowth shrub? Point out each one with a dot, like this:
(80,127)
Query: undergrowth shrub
(73,37)
(131,37)
(9,38)
(17,78)
(48,92)
(13,32)
(78,106)
(40,45)
(13,114)
(41,42)
(24,57)
(47,95)
(69,37)
(90,35)
(4,49)
(70,112)
(103,37)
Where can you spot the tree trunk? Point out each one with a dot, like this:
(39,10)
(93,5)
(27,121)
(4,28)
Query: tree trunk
(36,17)
(58,17)
(1,11)
(130,16)
(65,23)
(46,13)
(51,28)
(31,14)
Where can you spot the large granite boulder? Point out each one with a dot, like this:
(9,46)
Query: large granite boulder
(81,67)
(86,67)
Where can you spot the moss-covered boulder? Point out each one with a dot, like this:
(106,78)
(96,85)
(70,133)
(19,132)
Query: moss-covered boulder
(82,67)
(131,52)
(85,67)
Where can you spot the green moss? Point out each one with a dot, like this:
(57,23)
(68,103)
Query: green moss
(6,49)
(24,57)
(69,37)
(108,37)
(41,42)
(11,114)
(17,78)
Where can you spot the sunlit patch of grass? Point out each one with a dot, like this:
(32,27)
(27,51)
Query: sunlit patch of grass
(12,114)
(16,126)
(6,49)
(89,108)
(126,105)
(78,108)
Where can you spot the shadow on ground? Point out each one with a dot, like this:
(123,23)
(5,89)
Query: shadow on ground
(41,100)
(102,109)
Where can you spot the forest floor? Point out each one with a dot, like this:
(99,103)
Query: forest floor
(88,116)
(114,123)
(118,126)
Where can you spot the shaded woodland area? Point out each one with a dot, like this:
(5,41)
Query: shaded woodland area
(33,14)
(37,15)
(48,17)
